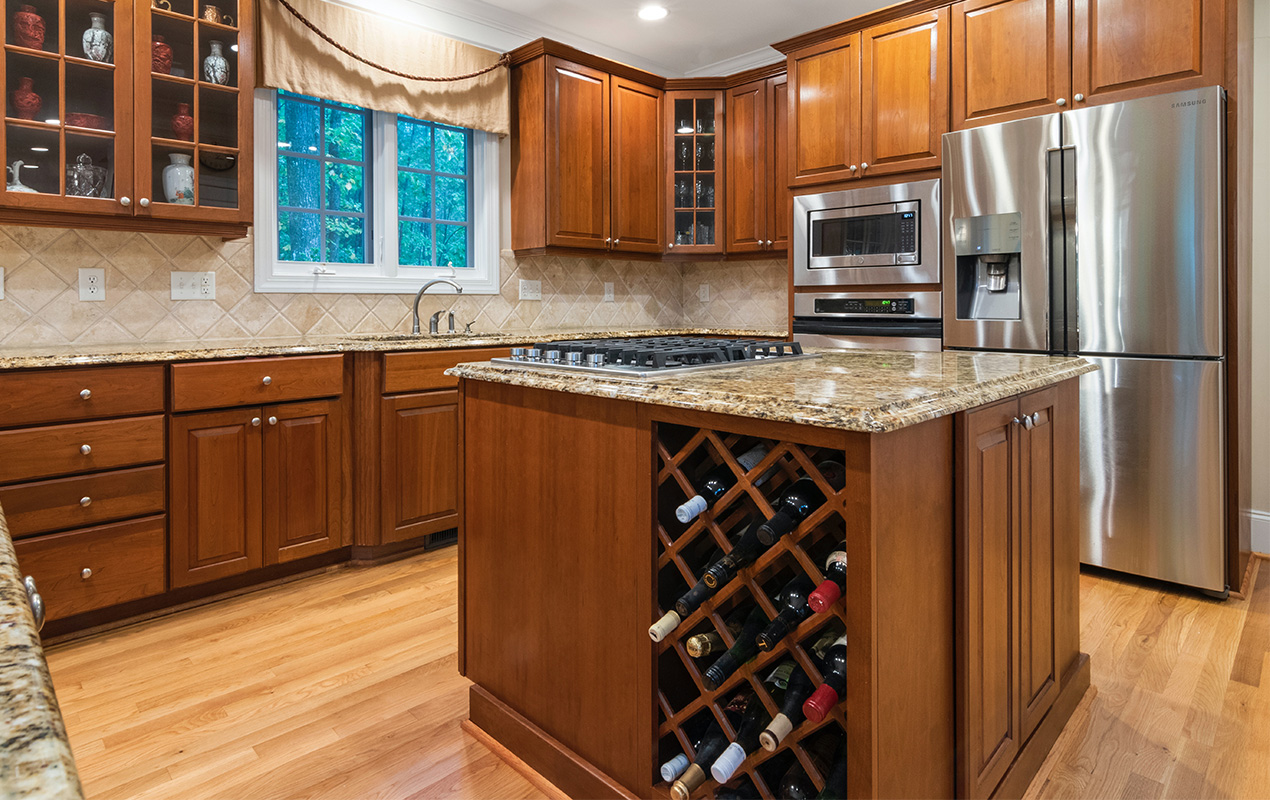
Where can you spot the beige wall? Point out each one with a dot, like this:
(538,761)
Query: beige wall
(1261,265)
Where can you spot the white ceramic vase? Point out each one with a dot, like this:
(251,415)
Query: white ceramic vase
(178,180)
(215,67)
(99,43)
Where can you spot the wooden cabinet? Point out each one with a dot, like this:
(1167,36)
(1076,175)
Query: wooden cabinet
(1018,58)
(695,185)
(419,462)
(303,475)
(96,130)
(586,159)
(1014,546)
(873,102)
(757,210)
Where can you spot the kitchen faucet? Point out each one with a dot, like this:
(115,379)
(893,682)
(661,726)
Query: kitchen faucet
(433,324)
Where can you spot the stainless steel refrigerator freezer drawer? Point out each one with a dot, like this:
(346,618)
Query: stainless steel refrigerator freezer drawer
(1153,469)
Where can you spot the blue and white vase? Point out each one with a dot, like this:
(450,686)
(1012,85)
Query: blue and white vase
(215,67)
(178,180)
(99,43)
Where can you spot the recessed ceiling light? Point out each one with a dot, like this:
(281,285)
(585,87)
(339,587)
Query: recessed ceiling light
(653,12)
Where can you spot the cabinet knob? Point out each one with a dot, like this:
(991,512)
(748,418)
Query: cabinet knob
(144,202)
(273,420)
(769,242)
(85,574)
(85,449)
(616,242)
(255,422)
(1028,422)
(1060,102)
(608,239)
(266,380)
(851,168)
(1016,421)
(864,165)
(670,245)
(1080,98)
(125,201)
(1036,418)
(85,501)
(84,394)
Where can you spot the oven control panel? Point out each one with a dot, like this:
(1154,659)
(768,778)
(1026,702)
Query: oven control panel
(857,305)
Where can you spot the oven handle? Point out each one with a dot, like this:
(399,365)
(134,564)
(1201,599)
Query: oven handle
(913,328)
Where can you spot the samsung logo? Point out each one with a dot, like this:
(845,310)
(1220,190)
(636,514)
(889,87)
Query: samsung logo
(1190,103)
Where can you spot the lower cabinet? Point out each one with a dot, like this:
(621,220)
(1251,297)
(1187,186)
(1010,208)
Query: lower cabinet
(253,486)
(419,477)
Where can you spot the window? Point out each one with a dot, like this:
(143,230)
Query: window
(354,200)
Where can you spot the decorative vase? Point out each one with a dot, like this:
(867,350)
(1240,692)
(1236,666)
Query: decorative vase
(26,103)
(160,56)
(28,28)
(178,180)
(215,67)
(85,180)
(16,185)
(99,43)
(183,123)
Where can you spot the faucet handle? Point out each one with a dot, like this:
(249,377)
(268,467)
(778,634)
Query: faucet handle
(451,321)
(468,327)
(434,321)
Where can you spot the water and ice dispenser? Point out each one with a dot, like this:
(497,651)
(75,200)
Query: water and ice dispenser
(988,270)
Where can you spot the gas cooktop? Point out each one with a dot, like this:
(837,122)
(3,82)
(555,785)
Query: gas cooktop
(652,356)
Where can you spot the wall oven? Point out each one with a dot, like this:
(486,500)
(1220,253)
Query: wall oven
(875,235)
(869,320)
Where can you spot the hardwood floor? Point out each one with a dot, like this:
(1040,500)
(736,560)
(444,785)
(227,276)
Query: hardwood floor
(345,686)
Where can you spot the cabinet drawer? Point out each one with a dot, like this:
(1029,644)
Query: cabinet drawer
(94,568)
(28,398)
(417,372)
(32,453)
(255,381)
(33,508)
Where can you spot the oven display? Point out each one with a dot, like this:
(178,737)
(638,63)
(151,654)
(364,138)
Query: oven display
(839,305)
(877,234)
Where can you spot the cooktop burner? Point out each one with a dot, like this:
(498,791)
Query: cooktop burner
(652,356)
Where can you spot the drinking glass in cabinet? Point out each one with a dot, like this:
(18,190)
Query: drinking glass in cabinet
(86,179)
(683,116)
(683,195)
(705,153)
(705,229)
(705,116)
(705,191)
(683,152)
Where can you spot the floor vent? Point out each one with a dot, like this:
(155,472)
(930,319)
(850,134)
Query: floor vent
(441,539)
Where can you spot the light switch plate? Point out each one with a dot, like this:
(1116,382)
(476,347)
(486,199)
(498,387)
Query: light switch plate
(530,290)
(608,291)
(92,284)
(703,292)
(194,285)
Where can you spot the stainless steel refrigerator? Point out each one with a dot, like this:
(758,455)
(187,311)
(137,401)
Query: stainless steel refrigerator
(1100,232)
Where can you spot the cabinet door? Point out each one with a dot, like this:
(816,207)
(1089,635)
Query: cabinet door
(214,517)
(825,85)
(988,580)
(302,479)
(779,210)
(1122,49)
(577,155)
(419,471)
(904,94)
(637,168)
(747,162)
(1010,59)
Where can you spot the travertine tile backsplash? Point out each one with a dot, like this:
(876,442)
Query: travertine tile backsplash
(42,306)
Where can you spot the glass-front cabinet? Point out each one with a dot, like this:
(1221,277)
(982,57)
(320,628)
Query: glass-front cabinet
(695,144)
(133,110)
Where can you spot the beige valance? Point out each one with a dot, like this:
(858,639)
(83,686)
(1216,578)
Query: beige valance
(294,58)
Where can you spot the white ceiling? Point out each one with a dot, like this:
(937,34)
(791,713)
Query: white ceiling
(699,37)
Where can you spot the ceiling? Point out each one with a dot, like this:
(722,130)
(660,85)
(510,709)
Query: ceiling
(699,37)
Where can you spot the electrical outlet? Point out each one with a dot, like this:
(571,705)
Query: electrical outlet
(530,290)
(703,292)
(608,291)
(1,283)
(92,284)
(193,285)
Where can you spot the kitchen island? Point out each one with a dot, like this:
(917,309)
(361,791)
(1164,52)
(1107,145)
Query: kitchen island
(960,605)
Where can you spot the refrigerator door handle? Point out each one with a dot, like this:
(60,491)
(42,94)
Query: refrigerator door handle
(1061,194)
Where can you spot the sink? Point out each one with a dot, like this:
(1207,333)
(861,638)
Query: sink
(407,337)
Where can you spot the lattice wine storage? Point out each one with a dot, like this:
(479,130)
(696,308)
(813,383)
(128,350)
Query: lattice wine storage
(685,705)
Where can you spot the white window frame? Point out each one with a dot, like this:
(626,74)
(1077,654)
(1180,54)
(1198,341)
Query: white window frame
(384,275)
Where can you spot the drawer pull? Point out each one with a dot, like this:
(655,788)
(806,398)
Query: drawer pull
(255,422)
(85,449)
(36,602)
(85,574)
(267,380)
(85,394)
(273,420)
(85,501)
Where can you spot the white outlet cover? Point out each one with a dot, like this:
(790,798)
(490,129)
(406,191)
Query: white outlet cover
(92,284)
(703,292)
(530,290)
(193,285)
(608,291)
(1,283)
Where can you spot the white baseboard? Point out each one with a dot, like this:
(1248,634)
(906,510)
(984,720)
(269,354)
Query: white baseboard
(1260,531)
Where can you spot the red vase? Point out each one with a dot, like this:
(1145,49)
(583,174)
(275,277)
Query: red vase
(160,56)
(26,103)
(183,123)
(28,28)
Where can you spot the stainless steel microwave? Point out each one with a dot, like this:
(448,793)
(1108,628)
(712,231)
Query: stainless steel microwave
(876,235)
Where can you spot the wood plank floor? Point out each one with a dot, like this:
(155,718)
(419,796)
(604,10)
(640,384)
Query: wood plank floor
(344,686)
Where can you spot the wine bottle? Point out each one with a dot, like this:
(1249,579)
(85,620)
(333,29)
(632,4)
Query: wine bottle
(663,627)
(796,784)
(798,502)
(827,695)
(700,592)
(753,721)
(744,790)
(836,780)
(703,644)
(715,483)
(746,550)
(834,584)
(708,748)
(791,713)
(742,650)
(792,602)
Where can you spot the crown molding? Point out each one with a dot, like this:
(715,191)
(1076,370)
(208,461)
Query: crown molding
(762,57)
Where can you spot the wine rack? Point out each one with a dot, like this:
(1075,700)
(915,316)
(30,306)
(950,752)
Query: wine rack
(684,704)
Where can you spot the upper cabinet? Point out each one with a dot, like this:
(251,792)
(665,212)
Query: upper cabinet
(695,140)
(1018,58)
(129,116)
(586,159)
(873,102)
(757,211)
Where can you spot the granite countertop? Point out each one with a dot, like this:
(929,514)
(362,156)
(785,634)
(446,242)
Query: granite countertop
(870,391)
(35,755)
(67,355)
